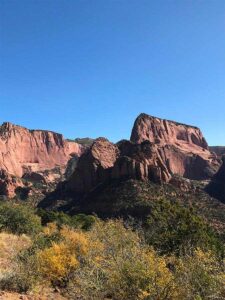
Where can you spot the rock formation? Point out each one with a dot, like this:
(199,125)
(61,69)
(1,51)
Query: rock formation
(9,184)
(23,150)
(183,147)
(28,153)
(158,150)
(216,187)
(105,161)
(93,166)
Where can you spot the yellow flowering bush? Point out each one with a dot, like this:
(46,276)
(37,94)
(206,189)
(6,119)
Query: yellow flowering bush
(59,260)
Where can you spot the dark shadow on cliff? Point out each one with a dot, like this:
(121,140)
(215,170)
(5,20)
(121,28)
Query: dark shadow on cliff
(216,188)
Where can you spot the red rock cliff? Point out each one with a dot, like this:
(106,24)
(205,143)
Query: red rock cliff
(164,132)
(183,147)
(23,150)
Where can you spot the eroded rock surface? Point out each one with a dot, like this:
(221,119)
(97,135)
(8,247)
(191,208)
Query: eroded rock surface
(39,156)
(23,150)
(183,147)
(157,152)
(105,161)
(93,166)
(158,149)
(9,184)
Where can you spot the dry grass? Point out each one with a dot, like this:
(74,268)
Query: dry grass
(10,246)
(44,295)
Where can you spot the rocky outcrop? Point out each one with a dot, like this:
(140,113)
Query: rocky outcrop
(9,184)
(183,148)
(164,132)
(105,161)
(216,187)
(140,161)
(94,166)
(23,150)
(158,150)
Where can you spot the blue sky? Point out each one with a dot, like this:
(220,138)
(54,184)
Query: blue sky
(88,68)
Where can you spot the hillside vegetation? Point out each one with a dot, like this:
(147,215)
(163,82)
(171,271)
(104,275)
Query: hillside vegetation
(171,254)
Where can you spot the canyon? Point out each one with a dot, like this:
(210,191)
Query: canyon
(158,151)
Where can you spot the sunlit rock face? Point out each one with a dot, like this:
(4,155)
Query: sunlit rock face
(157,150)
(23,150)
(32,154)
(183,148)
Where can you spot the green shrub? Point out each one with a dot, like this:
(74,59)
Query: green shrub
(81,221)
(60,218)
(19,219)
(200,276)
(172,228)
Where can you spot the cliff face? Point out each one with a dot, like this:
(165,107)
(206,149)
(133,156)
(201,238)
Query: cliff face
(183,147)
(23,150)
(216,187)
(104,162)
(158,149)
(93,166)
(164,132)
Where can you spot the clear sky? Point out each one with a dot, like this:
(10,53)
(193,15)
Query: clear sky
(89,67)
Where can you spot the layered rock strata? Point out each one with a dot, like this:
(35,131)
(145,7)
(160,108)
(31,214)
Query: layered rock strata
(23,150)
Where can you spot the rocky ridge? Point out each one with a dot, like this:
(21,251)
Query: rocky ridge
(24,151)
(159,151)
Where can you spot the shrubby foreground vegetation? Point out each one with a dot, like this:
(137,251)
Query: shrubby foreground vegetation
(171,254)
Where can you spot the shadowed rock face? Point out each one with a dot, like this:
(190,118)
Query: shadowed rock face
(94,166)
(216,188)
(219,150)
(183,148)
(23,150)
(105,161)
